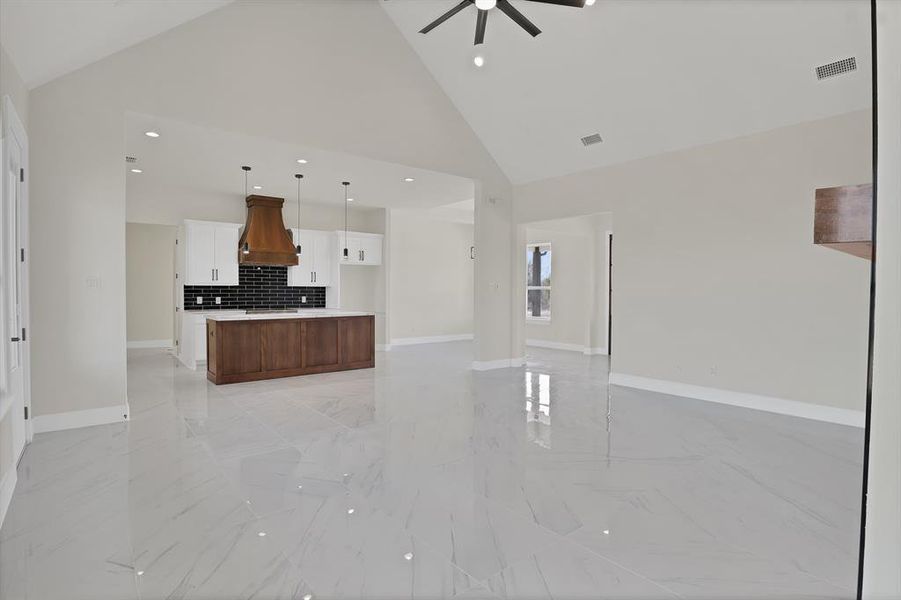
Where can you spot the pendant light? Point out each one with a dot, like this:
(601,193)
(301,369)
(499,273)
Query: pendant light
(245,249)
(345,184)
(298,176)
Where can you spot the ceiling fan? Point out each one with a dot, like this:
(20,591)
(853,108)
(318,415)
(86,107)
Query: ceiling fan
(505,7)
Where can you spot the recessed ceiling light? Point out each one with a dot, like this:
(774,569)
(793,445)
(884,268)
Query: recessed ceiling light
(262,534)
(257,187)
(409,179)
(606,532)
(478,61)
(152,134)
(589,2)
(308,597)
(140,572)
(137,171)
(349,200)
(350,511)
(301,161)
(408,556)
(300,487)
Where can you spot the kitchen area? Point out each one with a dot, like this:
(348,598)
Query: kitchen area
(268,286)
(252,259)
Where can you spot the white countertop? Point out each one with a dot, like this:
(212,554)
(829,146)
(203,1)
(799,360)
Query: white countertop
(303,313)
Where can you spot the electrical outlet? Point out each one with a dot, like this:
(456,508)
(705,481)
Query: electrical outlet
(218,300)
(199,299)
(303,299)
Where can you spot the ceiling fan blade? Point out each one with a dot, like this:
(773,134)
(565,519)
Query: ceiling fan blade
(573,3)
(520,19)
(446,16)
(481,22)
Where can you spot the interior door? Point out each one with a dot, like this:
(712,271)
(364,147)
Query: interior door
(227,255)
(12,380)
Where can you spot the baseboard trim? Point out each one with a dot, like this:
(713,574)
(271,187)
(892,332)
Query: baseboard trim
(81,418)
(433,339)
(7,487)
(150,344)
(503,363)
(806,410)
(594,351)
(556,345)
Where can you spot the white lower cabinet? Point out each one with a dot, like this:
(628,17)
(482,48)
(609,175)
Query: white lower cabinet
(192,338)
(315,261)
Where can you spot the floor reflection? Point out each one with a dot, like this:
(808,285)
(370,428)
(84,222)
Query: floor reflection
(538,408)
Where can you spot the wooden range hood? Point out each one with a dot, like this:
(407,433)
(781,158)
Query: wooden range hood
(267,241)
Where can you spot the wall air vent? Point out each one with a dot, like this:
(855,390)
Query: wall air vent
(839,67)
(131,159)
(591,140)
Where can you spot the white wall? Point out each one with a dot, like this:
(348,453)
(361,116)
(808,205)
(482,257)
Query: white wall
(332,75)
(882,555)
(431,276)
(717,281)
(150,281)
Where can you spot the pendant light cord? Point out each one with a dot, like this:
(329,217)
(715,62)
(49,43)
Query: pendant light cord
(345,184)
(298,176)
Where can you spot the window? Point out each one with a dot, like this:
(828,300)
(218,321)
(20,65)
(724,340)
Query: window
(538,282)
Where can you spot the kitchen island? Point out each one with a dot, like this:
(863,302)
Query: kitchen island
(267,345)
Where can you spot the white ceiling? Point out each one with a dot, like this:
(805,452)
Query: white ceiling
(650,76)
(189,157)
(49,38)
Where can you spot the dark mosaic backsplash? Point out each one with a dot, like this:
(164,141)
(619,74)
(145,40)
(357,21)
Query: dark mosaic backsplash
(262,287)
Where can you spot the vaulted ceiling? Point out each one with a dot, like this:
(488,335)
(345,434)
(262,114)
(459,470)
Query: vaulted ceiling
(650,76)
(49,38)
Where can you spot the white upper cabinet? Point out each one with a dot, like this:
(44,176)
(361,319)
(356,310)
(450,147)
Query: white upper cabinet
(362,248)
(315,261)
(211,253)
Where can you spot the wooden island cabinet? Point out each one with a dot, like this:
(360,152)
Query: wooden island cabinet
(266,348)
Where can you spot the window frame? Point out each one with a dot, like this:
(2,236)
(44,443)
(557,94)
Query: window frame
(530,288)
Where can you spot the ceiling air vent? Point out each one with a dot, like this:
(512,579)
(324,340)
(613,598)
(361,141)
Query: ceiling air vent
(839,67)
(591,140)
(131,159)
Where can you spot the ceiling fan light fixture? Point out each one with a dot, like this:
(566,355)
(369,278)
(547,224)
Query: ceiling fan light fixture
(479,61)
(486,4)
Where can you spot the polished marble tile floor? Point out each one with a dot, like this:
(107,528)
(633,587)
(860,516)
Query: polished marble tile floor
(423,479)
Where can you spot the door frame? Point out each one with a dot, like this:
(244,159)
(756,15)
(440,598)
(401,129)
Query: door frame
(608,282)
(11,127)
